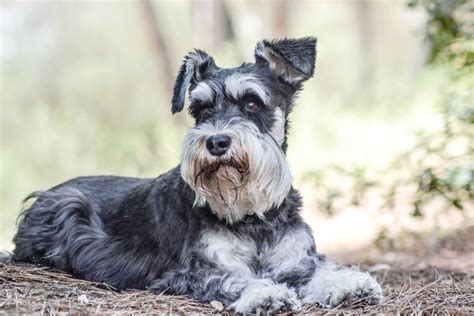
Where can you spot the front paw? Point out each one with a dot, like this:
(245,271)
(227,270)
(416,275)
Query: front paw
(332,287)
(357,286)
(266,297)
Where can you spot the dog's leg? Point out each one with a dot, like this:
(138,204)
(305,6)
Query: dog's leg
(331,285)
(242,295)
(292,259)
(265,295)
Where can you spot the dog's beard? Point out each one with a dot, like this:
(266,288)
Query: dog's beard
(222,179)
(252,177)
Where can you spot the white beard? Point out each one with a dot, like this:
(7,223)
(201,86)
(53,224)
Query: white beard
(251,178)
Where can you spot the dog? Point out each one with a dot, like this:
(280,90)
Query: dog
(225,224)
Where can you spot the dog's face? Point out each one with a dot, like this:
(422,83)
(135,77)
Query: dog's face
(234,157)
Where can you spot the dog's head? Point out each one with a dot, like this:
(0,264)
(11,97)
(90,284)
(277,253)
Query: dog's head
(234,157)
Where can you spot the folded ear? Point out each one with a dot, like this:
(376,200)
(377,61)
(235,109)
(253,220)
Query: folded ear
(195,66)
(290,59)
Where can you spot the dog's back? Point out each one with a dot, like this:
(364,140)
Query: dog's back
(76,197)
(82,225)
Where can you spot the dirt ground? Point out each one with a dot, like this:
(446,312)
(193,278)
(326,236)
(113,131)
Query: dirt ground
(427,279)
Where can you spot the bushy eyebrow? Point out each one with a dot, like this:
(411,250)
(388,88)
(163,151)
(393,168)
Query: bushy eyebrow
(203,92)
(238,85)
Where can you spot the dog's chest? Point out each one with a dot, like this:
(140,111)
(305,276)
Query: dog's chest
(248,257)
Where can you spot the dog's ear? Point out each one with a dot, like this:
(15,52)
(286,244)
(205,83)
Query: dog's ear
(194,68)
(290,59)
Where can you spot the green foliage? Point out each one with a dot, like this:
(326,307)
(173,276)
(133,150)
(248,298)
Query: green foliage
(440,166)
(448,28)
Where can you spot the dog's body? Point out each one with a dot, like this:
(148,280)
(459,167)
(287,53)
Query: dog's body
(225,224)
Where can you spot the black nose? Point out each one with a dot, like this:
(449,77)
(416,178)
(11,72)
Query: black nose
(217,145)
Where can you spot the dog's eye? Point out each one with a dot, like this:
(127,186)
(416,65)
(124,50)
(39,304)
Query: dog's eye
(252,105)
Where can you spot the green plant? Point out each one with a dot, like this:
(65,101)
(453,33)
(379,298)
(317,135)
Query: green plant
(440,166)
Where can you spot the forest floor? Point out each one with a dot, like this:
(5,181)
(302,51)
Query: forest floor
(426,279)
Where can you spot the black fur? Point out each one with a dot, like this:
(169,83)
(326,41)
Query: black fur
(193,69)
(291,57)
(127,232)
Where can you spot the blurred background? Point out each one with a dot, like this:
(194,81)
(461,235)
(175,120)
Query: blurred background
(381,144)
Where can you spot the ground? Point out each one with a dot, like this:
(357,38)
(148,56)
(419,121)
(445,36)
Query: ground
(437,279)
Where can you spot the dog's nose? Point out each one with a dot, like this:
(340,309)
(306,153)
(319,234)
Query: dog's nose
(217,145)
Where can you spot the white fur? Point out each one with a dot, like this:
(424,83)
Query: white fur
(203,92)
(331,285)
(264,294)
(234,255)
(270,178)
(278,129)
(238,84)
(228,252)
(286,255)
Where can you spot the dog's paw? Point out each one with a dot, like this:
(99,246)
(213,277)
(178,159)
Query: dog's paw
(331,288)
(266,298)
(357,286)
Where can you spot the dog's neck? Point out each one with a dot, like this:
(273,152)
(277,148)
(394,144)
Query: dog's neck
(250,224)
(251,203)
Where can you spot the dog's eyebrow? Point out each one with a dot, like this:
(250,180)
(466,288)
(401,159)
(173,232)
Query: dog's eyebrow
(239,84)
(203,92)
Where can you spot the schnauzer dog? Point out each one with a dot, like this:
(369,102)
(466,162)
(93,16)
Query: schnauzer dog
(224,225)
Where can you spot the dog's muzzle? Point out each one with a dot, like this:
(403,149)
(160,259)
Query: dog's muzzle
(235,168)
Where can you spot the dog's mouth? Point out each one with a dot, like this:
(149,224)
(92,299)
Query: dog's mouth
(222,178)
(221,167)
(210,168)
